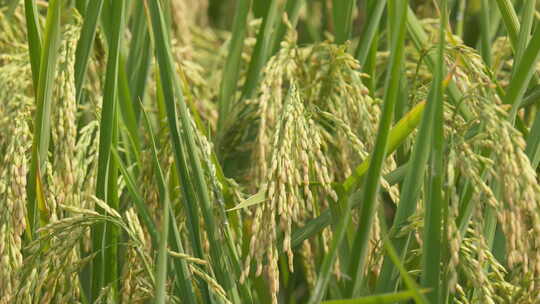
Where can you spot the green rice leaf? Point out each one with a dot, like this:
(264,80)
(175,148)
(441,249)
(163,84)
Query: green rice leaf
(387,298)
(44,100)
(255,199)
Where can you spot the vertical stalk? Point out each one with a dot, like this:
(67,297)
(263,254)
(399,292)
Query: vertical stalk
(371,186)
(231,71)
(431,257)
(45,84)
(173,96)
(85,43)
(375,12)
(104,237)
(485,33)
(34,39)
(262,50)
(342,13)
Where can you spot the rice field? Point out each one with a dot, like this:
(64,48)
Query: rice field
(273,152)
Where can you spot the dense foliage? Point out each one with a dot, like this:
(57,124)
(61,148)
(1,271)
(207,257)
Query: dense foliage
(280,151)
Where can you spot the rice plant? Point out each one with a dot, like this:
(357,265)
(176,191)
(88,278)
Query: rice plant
(280,151)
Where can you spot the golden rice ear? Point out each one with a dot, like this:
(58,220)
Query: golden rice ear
(496,184)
